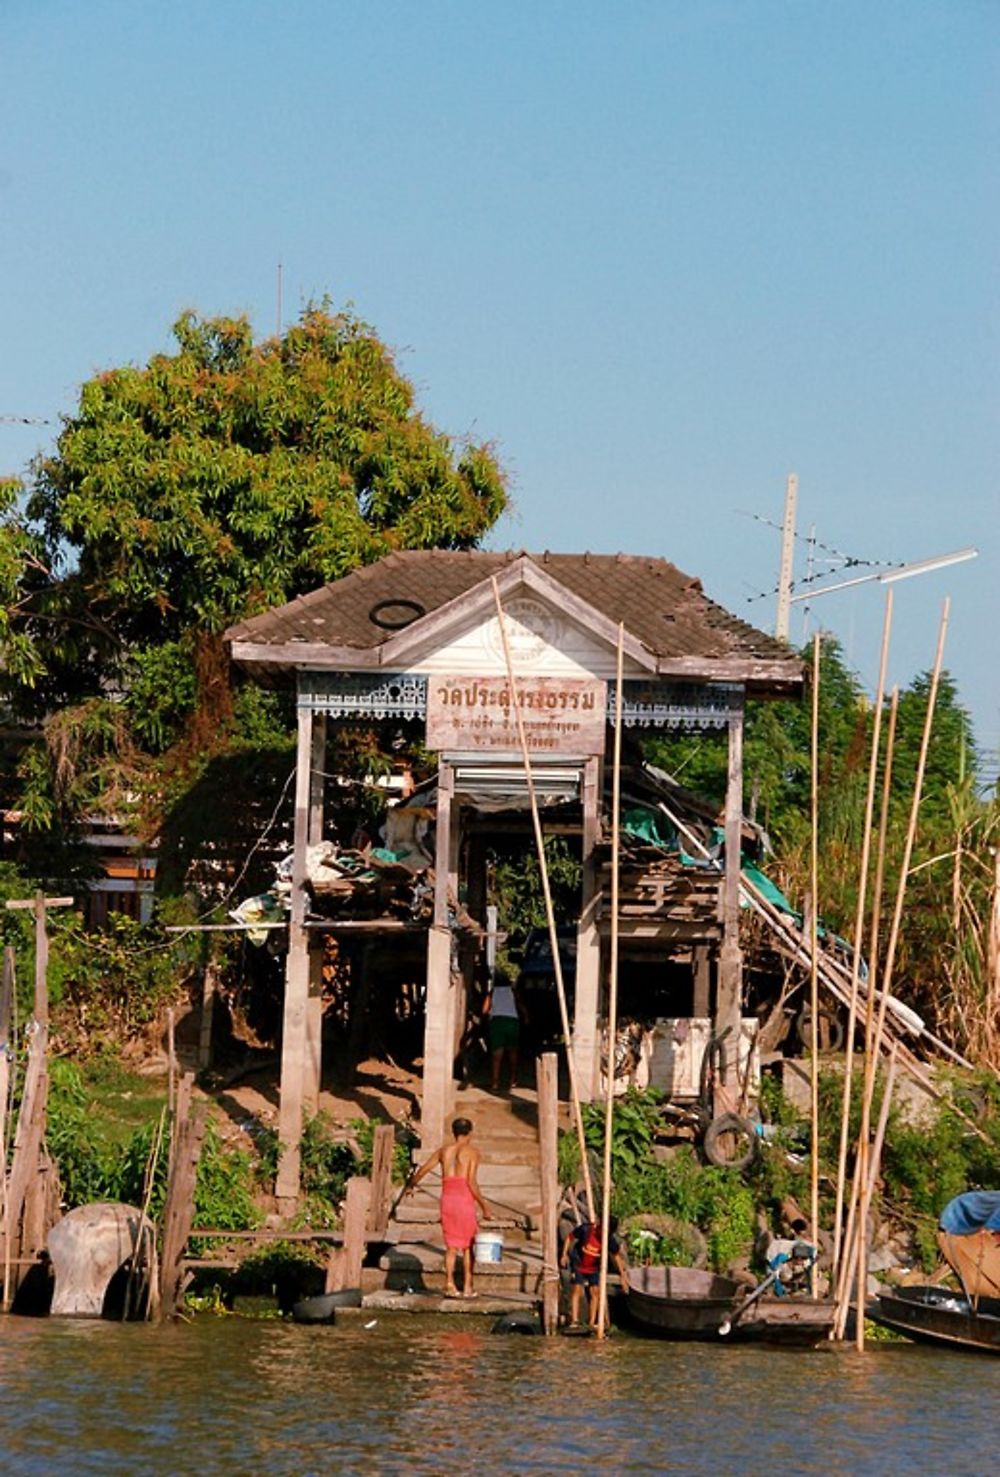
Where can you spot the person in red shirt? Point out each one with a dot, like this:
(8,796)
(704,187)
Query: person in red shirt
(581,1253)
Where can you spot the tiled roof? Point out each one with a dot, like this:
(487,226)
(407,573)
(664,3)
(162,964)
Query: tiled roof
(660,606)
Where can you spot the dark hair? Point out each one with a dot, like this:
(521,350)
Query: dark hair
(461,1127)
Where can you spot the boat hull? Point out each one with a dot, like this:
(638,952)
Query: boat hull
(933,1315)
(685,1303)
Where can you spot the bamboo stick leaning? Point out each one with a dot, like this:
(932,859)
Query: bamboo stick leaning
(515,708)
(814,965)
(890,959)
(859,924)
(845,1273)
(609,1103)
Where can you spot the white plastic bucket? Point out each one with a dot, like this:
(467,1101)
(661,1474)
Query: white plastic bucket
(489,1247)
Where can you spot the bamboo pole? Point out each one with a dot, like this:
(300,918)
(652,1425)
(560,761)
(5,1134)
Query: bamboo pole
(845,1274)
(7,1055)
(609,1099)
(851,1243)
(814,965)
(897,918)
(142,1236)
(859,924)
(515,708)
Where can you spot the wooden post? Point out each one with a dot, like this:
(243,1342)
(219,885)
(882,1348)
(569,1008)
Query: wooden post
(701,966)
(438,1092)
(209,989)
(609,1102)
(171,1061)
(27,1148)
(586,1047)
(344,1267)
(383,1145)
(547,1078)
(814,966)
(859,919)
(294,1031)
(39,905)
(728,1006)
(313,1065)
(178,1211)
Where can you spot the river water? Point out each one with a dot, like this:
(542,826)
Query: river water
(443,1395)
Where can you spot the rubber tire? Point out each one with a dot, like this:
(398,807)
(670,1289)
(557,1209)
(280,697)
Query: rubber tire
(729,1123)
(837,1032)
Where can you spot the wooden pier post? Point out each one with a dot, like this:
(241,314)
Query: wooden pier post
(178,1212)
(383,1144)
(344,1267)
(547,1079)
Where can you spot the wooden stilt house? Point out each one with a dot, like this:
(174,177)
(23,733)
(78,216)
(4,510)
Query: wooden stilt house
(416,636)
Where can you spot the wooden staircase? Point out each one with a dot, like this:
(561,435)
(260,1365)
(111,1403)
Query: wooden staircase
(506,1135)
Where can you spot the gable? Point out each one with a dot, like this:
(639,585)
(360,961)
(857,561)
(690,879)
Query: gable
(542,638)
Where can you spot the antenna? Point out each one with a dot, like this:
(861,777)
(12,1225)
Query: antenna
(279,300)
(894,573)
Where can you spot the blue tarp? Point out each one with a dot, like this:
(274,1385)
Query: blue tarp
(977,1210)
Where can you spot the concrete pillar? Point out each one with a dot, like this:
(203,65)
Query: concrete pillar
(438,1088)
(313,1066)
(294,1051)
(586,1041)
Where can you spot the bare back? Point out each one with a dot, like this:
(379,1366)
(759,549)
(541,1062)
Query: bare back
(459,1161)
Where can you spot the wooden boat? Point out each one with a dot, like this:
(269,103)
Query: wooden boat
(687,1303)
(935,1315)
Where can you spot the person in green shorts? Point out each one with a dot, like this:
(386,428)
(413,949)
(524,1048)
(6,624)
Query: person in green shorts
(504,1012)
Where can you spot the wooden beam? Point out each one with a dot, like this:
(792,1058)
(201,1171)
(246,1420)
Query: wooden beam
(314,656)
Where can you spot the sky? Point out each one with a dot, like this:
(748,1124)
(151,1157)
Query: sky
(660,253)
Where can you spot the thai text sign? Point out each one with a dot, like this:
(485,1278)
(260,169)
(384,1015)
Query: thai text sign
(562,715)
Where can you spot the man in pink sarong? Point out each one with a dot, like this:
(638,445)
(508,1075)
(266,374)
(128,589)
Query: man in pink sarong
(459,1163)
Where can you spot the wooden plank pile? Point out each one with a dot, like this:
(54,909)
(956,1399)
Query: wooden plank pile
(654,887)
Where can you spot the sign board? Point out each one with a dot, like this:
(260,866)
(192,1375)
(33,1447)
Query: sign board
(562,715)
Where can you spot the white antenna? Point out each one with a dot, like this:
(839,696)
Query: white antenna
(890,576)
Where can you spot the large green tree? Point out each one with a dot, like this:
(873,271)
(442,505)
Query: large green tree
(202,487)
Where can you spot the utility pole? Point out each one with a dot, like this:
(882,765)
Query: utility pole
(787,558)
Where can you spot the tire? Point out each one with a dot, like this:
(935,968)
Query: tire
(831,1029)
(730,1142)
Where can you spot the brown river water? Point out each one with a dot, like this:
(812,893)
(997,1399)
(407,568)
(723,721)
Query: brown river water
(444,1395)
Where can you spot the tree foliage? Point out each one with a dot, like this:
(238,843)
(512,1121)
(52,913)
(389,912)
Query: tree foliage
(205,486)
(946,955)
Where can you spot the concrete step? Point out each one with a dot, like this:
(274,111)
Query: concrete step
(419,1267)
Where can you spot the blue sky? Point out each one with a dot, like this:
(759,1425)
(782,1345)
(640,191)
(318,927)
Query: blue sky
(661,254)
